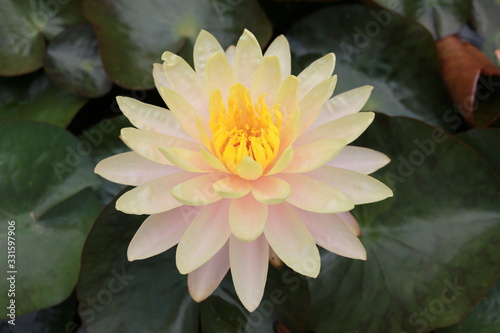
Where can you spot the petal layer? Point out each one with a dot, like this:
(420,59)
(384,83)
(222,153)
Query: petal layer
(270,190)
(247,218)
(291,240)
(205,236)
(197,191)
(249,263)
(359,159)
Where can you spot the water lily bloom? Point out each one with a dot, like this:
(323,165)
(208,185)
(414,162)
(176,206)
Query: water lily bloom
(248,164)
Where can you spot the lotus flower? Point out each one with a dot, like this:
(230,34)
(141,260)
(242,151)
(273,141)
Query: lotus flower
(249,163)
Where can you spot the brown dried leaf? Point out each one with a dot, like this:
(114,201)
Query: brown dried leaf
(462,64)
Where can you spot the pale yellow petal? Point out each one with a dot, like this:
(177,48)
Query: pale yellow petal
(280,48)
(310,106)
(359,187)
(232,187)
(186,159)
(248,57)
(219,75)
(344,104)
(316,73)
(213,161)
(197,191)
(347,128)
(206,45)
(315,196)
(283,161)
(267,80)
(249,169)
(146,143)
(314,155)
(152,197)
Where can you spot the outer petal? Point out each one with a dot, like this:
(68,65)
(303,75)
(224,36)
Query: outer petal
(146,143)
(363,160)
(151,118)
(230,54)
(152,197)
(184,80)
(332,234)
(197,191)
(158,233)
(204,280)
(159,76)
(204,237)
(312,103)
(219,75)
(247,58)
(350,222)
(270,190)
(132,169)
(359,187)
(247,218)
(280,48)
(315,196)
(232,187)
(249,263)
(291,240)
(344,104)
(267,80)
(347,128)
(314,155)
(316,73)
(205,46)
(288,98)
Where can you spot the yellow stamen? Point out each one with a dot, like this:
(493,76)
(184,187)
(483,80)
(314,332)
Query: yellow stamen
(243,129)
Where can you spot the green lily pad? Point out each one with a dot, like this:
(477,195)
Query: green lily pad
(46,200)
(25,27)
(373,46)
(73,63)
(441,17)
(432,248)
(35,97)
(485,18)
(286,300)
(133,35)
(486,142)
(121,296)
(484,318)
(59,318)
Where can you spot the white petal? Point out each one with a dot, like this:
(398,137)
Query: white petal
(132,169)
(159,76)
(204,280)
(249,263)
(359,159)
(344,104)
(350,222)
(359,187)
(266,81)
(197,191)
(204,237)
(291,240)
(332,234)
(310,106)
(159,232)
(219,75)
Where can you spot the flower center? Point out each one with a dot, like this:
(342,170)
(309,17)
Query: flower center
(243,129)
